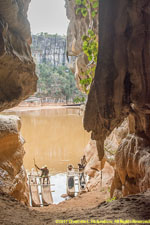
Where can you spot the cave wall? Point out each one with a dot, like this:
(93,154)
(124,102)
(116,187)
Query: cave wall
(121,89)
(107,165)
(17,82)
(121,83)
(17,71)
(13,179)
(78,26)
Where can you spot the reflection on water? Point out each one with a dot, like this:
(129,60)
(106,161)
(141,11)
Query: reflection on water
(60,187)
(54,137)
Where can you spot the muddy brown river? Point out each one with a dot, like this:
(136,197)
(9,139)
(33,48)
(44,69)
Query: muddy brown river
(54,137)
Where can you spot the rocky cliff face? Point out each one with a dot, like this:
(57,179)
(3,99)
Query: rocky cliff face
(100,174)
(47,48)
(12,173)
(107,165)
(17,71)
(120,88)
(78,26)
(17,82)
(132,161)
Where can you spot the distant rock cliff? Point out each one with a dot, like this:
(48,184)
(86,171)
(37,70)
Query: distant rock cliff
(49,48)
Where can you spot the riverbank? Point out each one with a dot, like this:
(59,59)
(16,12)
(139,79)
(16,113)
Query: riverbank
(35,108)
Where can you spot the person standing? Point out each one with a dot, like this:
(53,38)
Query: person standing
(44,174)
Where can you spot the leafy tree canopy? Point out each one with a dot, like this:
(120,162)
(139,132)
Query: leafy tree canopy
(57,83)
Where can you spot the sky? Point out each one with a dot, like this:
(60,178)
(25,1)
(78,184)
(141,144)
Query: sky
(48,16)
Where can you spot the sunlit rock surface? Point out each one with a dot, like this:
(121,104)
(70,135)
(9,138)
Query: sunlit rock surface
(132,164)
(17,70)
(49,48)
(121,83)
(17,82)
(121,87)
(12,172)
(97,179)
(78,27)
(113,141)
(94,166)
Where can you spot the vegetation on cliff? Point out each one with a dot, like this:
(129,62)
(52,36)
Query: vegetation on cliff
(90,42)
(57,83)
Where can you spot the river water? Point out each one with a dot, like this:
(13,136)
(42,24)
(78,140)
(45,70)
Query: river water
(56,138)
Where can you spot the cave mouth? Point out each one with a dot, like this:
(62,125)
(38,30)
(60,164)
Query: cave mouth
(49,119)
(132,161)
(56,90)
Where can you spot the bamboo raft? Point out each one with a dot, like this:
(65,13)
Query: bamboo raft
(40,193)
(74,184)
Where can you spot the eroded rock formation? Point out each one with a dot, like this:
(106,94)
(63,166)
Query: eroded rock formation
(12,173)
(78,26)
(121,83)
(132,163)
(48,48)
(121,88)
(94,166)
(93,169)
(17,82)
(17,70)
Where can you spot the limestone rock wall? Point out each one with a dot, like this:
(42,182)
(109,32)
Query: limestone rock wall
(121,83)
(48,48)
(17,71)
(132,170)
(78,26)
(121,88)
(94,166)
(132,162)
(17,82)
(12,173)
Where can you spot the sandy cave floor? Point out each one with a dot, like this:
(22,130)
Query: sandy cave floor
(85,207)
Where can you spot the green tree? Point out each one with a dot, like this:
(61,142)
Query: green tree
(58,83)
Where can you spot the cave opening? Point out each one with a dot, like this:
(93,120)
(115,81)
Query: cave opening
(51,119)
(45,124)
(56,138)
(50,116)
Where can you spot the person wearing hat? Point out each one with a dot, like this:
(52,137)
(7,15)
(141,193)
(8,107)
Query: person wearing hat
(70,167)
(45,173)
